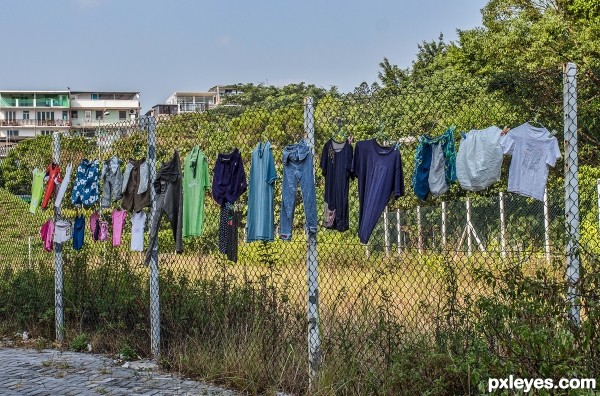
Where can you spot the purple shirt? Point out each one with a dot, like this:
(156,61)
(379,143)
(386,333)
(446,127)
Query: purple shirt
(379,173)
(229,178)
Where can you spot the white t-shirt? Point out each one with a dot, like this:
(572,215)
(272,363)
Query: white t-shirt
(479,159)
(138,222)
(533,150)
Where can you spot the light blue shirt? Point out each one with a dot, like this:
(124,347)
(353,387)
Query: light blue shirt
(260,223)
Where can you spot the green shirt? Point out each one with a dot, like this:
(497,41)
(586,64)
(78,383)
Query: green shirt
(195,184)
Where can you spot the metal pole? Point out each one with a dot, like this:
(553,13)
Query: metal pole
(29,252)
(386,232)
(571,188)
(399,229)
(598,188)
(546,226)
(314,341)
(59,315)
(154,284)
(443,225)
(419,230)
(469,239)
(502,227)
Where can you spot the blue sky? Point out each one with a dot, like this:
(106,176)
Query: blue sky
(158,47)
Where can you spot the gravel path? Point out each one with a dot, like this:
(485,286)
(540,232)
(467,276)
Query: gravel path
(52,372)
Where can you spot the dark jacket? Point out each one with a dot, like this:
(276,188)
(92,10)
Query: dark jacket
(169,200)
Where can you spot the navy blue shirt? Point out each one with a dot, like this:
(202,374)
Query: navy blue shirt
(379,173)
(229,178)
(336,164)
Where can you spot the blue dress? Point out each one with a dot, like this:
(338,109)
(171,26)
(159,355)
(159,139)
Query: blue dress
(379,173)
(260,223)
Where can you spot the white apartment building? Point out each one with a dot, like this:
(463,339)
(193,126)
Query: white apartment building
(199,101)
(26,114)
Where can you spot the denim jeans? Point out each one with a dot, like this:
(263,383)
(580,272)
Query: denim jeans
(297,169)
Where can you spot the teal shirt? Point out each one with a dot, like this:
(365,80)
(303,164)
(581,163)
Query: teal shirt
(195,184)
(260,223)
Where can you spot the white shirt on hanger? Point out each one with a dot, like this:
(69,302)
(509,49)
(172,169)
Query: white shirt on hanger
(138,223)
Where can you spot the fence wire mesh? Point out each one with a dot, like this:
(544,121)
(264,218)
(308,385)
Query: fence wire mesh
(446,293)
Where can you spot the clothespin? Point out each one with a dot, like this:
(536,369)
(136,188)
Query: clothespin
(505,130)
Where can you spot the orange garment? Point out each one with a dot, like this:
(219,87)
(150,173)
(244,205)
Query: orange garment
(53,175)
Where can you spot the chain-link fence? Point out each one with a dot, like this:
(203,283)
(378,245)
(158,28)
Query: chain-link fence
(446,292)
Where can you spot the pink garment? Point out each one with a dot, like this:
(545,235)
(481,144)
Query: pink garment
(103,234)
(46,232)
(94,225)
(118,221)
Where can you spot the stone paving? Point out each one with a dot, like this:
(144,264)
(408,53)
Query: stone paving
(51,372)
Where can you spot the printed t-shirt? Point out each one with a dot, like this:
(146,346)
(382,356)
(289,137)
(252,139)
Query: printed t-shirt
(336,165)
(533,151)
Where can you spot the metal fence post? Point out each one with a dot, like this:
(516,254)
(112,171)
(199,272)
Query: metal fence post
(502,226)
(59,316)
(314,341)
(598,188)
(443,225)
(154,284)
(546,226)
(571,188)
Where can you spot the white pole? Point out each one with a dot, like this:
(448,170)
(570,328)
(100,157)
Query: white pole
(469,240)
(598,188)
(398,229)
(314,340)
(59,316)
(502,227)
(546,226)
(443,225)
(386,233)
(29,252)
(154,273)
(419,230)
(571,188)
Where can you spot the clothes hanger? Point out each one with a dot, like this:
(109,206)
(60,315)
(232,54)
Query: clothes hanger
(385,140)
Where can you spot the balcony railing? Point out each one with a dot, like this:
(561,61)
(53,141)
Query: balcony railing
(33,122)
(19,102)
(5,149)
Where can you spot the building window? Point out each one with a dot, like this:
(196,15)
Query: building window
(99,114)
(10,115)
(65,115)
(44,133)
(122,114)
(26,114)
(12,132)
(73,113)
(94,96)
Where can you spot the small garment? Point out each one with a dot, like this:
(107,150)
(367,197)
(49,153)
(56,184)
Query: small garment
(228,231)
(479,159)
(136,186)
(533,151)
(336,165)
(118,222)
(85,189)
(78,232)
(62,231)
(46,233)
(260,220)
(423,181)
(95,226)
(53,178)
(380,177)
(298,168)
(63,186)
(37,190)
(169,200)
(112,182)
(138,222)
(229,178)
(195,184)
(103,230)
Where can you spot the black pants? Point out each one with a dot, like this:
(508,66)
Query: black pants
(228,231)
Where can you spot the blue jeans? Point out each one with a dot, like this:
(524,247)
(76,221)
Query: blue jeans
(297,169)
